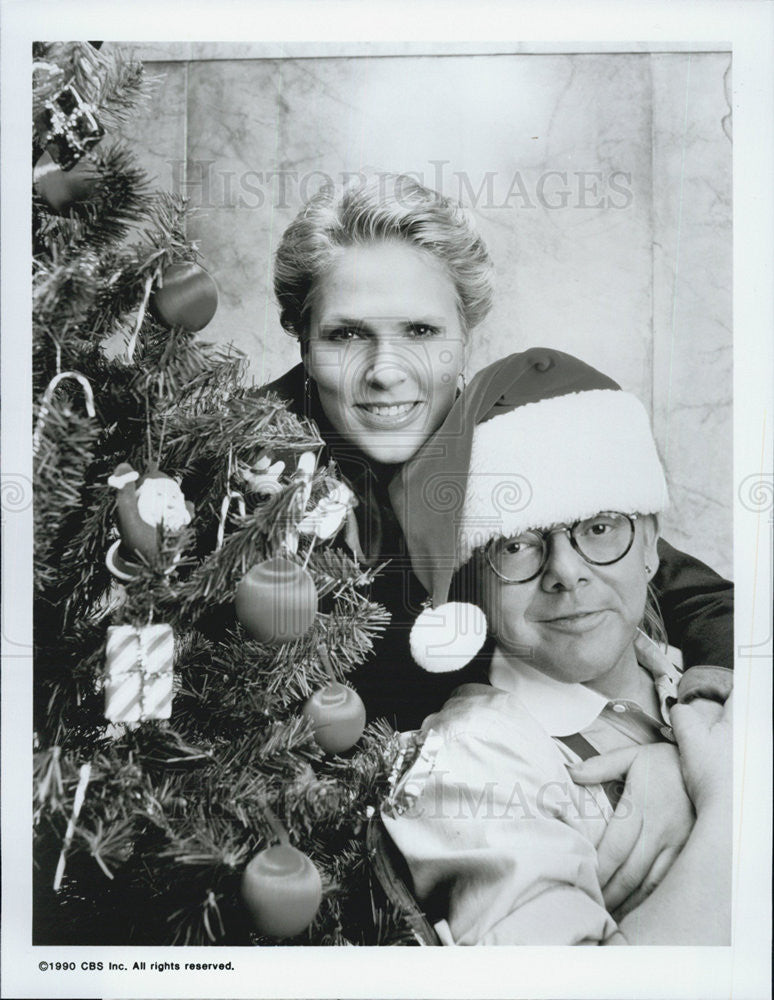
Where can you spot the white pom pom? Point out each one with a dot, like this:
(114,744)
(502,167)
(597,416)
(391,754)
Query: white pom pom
(447,637)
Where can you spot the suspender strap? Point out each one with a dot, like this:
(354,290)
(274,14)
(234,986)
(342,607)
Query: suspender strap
(581,746)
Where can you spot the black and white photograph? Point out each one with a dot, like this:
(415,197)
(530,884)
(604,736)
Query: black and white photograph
(387,502)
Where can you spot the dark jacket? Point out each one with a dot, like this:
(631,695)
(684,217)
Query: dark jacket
(696,603)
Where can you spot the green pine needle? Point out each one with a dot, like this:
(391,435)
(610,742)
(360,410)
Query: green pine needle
(175,808)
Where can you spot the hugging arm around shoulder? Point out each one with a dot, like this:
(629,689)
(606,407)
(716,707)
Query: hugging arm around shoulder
(698,608)
(503,842)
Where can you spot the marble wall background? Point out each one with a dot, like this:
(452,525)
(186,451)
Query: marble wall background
(601,183)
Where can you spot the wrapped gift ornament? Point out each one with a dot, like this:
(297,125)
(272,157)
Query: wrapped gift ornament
(139,672)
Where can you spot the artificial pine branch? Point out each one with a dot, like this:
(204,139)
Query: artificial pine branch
(66,447)
(124,89)
(175,808)
(63,294)
(245,423)
(120,195)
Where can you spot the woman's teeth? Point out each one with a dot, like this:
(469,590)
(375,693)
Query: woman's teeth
(393,410)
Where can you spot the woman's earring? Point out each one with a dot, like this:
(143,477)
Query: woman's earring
(648,569)
(307,400)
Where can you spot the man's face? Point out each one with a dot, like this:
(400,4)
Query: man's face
(575,620)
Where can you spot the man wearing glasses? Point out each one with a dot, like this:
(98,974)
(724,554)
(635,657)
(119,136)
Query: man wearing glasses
(495,828)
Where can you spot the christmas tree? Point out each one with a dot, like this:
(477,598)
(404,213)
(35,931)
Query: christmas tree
(200,773)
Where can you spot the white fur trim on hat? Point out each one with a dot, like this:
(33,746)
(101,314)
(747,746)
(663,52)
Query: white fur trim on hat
(119,481)
(559,460)
(446,638)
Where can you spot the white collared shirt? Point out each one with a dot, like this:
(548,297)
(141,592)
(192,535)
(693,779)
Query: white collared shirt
(489,817)
(563,709)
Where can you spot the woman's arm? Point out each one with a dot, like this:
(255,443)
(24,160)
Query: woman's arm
(651,823)
(643,839)
(496,829)
(698,608)
(692,905)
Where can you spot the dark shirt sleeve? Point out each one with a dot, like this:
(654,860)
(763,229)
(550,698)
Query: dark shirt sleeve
(289,387)
(698,608)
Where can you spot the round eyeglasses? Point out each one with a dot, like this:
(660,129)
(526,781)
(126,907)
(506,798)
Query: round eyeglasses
(600,540)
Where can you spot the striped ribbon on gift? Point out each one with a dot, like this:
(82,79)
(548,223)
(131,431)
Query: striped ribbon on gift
(139,675)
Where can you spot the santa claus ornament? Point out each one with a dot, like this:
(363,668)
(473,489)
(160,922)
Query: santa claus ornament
(144,505)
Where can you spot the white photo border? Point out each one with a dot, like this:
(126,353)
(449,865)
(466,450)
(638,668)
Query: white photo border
(740,971)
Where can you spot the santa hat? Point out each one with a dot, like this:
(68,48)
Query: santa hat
(536,439)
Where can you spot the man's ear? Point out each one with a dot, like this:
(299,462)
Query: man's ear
(650,534)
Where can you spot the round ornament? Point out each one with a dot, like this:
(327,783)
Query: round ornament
(186,296)
(276,601)
(64,189)
(282,890)
(338,716)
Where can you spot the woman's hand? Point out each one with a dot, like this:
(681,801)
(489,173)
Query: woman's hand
(650,825)
(704,735)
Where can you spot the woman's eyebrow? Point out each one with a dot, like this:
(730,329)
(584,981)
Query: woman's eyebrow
(331,322)
(367,324)
(423,320)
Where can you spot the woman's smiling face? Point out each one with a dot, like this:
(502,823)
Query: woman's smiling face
(385,347)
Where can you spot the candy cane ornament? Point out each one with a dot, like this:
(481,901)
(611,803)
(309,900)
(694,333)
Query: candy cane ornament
(80,795)
(45,408)
(224,509)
